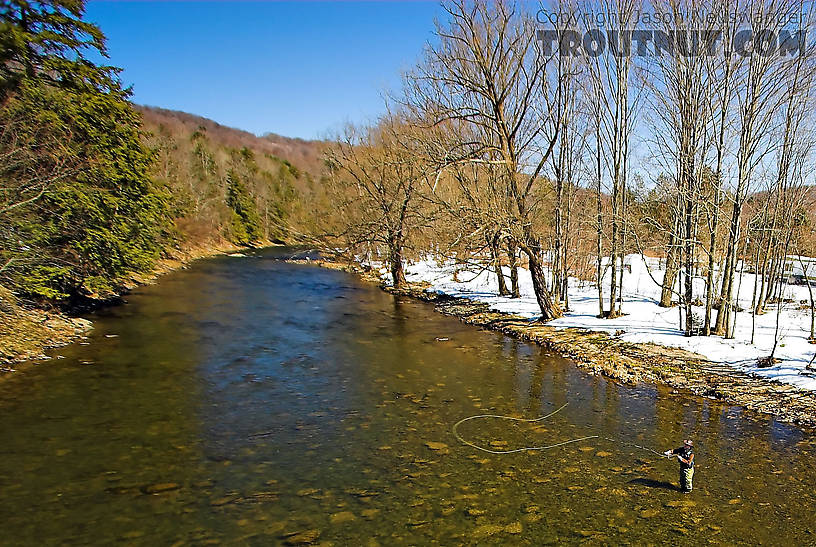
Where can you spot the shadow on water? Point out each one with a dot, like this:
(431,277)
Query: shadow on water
(252,401)
(653,483)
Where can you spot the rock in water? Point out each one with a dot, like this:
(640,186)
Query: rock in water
(513,528)
(486,530)
(158,488)
(436,446)
(306,537)
(681,503)
(343,516)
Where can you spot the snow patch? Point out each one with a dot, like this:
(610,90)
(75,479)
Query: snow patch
(643,320)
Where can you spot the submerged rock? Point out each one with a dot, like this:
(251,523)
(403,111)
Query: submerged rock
(370,513)
(486,530)
(305,537)
(513,528)
(681,503)
(158,488)
(341,517)
(218,502)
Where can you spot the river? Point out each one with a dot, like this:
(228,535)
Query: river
(253,401)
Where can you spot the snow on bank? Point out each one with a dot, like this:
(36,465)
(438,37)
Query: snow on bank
(645,321)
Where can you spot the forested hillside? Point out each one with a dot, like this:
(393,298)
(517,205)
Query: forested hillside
(96,190)
(229,183)
(306,155)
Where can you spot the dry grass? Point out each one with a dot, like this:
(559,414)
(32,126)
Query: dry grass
(25,332)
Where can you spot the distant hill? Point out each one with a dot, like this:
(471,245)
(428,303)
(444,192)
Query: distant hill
(304,154)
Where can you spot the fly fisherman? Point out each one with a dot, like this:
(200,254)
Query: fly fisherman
(685,455)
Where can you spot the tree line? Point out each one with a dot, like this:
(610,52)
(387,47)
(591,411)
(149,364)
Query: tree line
(501,150)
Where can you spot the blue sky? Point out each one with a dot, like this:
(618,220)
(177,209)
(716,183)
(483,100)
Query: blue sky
(299,69)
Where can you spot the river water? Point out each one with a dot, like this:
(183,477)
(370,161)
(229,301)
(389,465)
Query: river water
(251,401)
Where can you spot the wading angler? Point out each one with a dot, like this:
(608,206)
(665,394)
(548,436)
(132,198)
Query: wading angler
(685,457)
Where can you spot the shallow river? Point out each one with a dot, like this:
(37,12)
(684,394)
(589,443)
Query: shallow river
(251,401)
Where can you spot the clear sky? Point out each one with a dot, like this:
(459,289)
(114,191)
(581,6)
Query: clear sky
(299,69)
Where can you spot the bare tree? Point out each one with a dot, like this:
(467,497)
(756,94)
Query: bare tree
(720,75)
(681,106)
(487,73)
(569,71)
(758,95)
(614,101)
(376,177)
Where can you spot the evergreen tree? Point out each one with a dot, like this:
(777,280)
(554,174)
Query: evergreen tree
(83,231)
(245,223)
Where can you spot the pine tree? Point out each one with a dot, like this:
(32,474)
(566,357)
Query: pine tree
(83,230)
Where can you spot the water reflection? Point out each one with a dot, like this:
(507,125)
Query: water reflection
(252,401)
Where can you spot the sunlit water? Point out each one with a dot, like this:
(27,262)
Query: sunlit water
(247,400)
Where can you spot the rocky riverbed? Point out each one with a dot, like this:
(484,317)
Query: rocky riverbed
(604,354)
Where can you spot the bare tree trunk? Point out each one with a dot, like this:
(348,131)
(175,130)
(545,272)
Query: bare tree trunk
(672,266)
(721,326)
(613,281)
(689,262)
(810,295)
(712,251)
(599,224)
(765,275)
(512,252)
(558,239)
(495,259)
(549,307)
(567,242)
(622,245)
(725,98)
(754,296)
(395,262)
(735,308)
(780,301)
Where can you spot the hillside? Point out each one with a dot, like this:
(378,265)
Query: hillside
(303,154)
(229,183)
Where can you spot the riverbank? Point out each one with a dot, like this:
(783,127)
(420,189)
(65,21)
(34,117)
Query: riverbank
(609,355)
(28,331)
